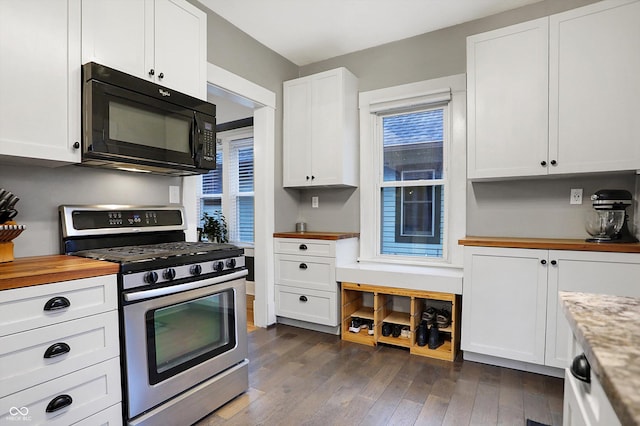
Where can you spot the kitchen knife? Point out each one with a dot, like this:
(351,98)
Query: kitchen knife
(12,202)
(4,199)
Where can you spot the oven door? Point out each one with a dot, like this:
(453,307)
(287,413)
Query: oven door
(176,341)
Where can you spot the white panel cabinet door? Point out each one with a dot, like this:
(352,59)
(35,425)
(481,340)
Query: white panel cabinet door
(180,48)
(40,81)
(297,133)
(589,272)
(507,84)
(594,88)
(504,309)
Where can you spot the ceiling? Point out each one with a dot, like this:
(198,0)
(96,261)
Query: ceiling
(308,31)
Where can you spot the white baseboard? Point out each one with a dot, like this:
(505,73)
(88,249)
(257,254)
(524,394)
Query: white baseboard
(516,365)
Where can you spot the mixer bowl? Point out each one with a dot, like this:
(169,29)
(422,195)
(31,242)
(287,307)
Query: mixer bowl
(603,225)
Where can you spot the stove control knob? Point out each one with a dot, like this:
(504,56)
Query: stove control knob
(218,266)
(196,270)
(151,277)
(231,263)
(169,274)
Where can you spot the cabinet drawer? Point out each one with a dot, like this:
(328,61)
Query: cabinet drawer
(91,390)
(112,416)
(22,355)
(24,308)
(305,247)
(318,273)
(307,305)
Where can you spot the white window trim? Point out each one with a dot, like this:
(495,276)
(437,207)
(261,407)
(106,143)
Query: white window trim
(406,96)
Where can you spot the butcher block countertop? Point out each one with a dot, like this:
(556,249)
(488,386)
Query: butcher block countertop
(317,235)
(28,271)
(608,329)
(549,244)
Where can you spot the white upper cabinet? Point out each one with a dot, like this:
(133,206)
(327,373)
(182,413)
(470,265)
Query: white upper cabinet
(507,104)
(40,81)
(594,70)
(320,130)
(568,108)
(163,41)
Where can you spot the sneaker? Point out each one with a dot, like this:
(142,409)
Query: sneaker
(370,331)
(443,318)
(429,315)
(355,324)
(386,329)
(397,330)
(405,332)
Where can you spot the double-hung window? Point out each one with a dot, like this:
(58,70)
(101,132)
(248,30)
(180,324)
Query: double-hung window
(413,172)
(229,188)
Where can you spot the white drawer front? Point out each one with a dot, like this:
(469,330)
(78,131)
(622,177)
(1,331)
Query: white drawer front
(91,389)
(319,307)
(23,308)
(112,416)
(89,340)
(305,247)
(311,272)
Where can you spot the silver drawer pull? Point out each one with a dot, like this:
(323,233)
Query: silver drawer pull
(57,349)
(303,266)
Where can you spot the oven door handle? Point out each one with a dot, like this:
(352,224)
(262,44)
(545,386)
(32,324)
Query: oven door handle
(165,291)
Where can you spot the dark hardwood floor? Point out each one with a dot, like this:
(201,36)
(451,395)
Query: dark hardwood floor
(302,377)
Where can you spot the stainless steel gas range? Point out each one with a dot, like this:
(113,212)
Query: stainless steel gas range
(182,309)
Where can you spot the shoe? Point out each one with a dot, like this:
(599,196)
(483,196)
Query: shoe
(386,329)
(397,330)
(434,337)
(421,335)
(355,324)
(405,332)
(429,315)
(370,331)
(443,318)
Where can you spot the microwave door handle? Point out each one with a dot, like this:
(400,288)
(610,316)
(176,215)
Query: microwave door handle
(194,136)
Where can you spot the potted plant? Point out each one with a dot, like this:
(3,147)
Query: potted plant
(214,226)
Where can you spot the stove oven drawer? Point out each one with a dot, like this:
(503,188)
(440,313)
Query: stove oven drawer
(42,305)
(35,356)
(68,399)
(317,273)
(315,306)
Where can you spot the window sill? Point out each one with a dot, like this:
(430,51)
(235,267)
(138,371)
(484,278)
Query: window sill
(429,278)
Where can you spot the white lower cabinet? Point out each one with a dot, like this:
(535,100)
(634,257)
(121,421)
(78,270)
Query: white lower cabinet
(305,270)
(510,298)
(504,303)
(60,353)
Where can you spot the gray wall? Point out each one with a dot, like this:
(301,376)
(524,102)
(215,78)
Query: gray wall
(527,208)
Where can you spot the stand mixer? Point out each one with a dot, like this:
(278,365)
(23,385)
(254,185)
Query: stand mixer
(608,222)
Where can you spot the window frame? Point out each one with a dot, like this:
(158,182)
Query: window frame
(447,91)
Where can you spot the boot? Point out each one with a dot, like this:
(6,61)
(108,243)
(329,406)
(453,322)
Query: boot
(434,337)
(421,335)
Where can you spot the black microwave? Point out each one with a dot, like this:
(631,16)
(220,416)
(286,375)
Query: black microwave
(132,124)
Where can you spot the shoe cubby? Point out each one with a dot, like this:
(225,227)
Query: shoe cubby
(391,307)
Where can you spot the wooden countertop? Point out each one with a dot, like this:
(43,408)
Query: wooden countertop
(28,271)
(549,244)
(317,235)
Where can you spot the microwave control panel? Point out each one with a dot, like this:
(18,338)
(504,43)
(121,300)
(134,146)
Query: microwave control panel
(208,138)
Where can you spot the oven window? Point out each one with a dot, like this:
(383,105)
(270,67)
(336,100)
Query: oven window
(186,334)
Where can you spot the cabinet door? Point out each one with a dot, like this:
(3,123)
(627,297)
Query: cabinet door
(297,133)
(505,296)
(507,83)
(180,49)
(588,272)
(40,80)
(123,49)
(594,88)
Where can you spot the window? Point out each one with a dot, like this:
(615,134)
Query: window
(229,188)
(413,180)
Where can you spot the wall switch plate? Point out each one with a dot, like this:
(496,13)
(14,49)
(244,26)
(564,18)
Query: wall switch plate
(314,202)
(174,194)
(576,196)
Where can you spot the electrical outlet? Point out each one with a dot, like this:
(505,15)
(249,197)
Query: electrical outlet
(314,202)
(576,196)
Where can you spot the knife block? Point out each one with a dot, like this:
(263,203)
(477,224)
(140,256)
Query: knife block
(6,247)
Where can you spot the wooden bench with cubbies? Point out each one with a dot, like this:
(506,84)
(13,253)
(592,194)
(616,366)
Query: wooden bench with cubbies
(378,304)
